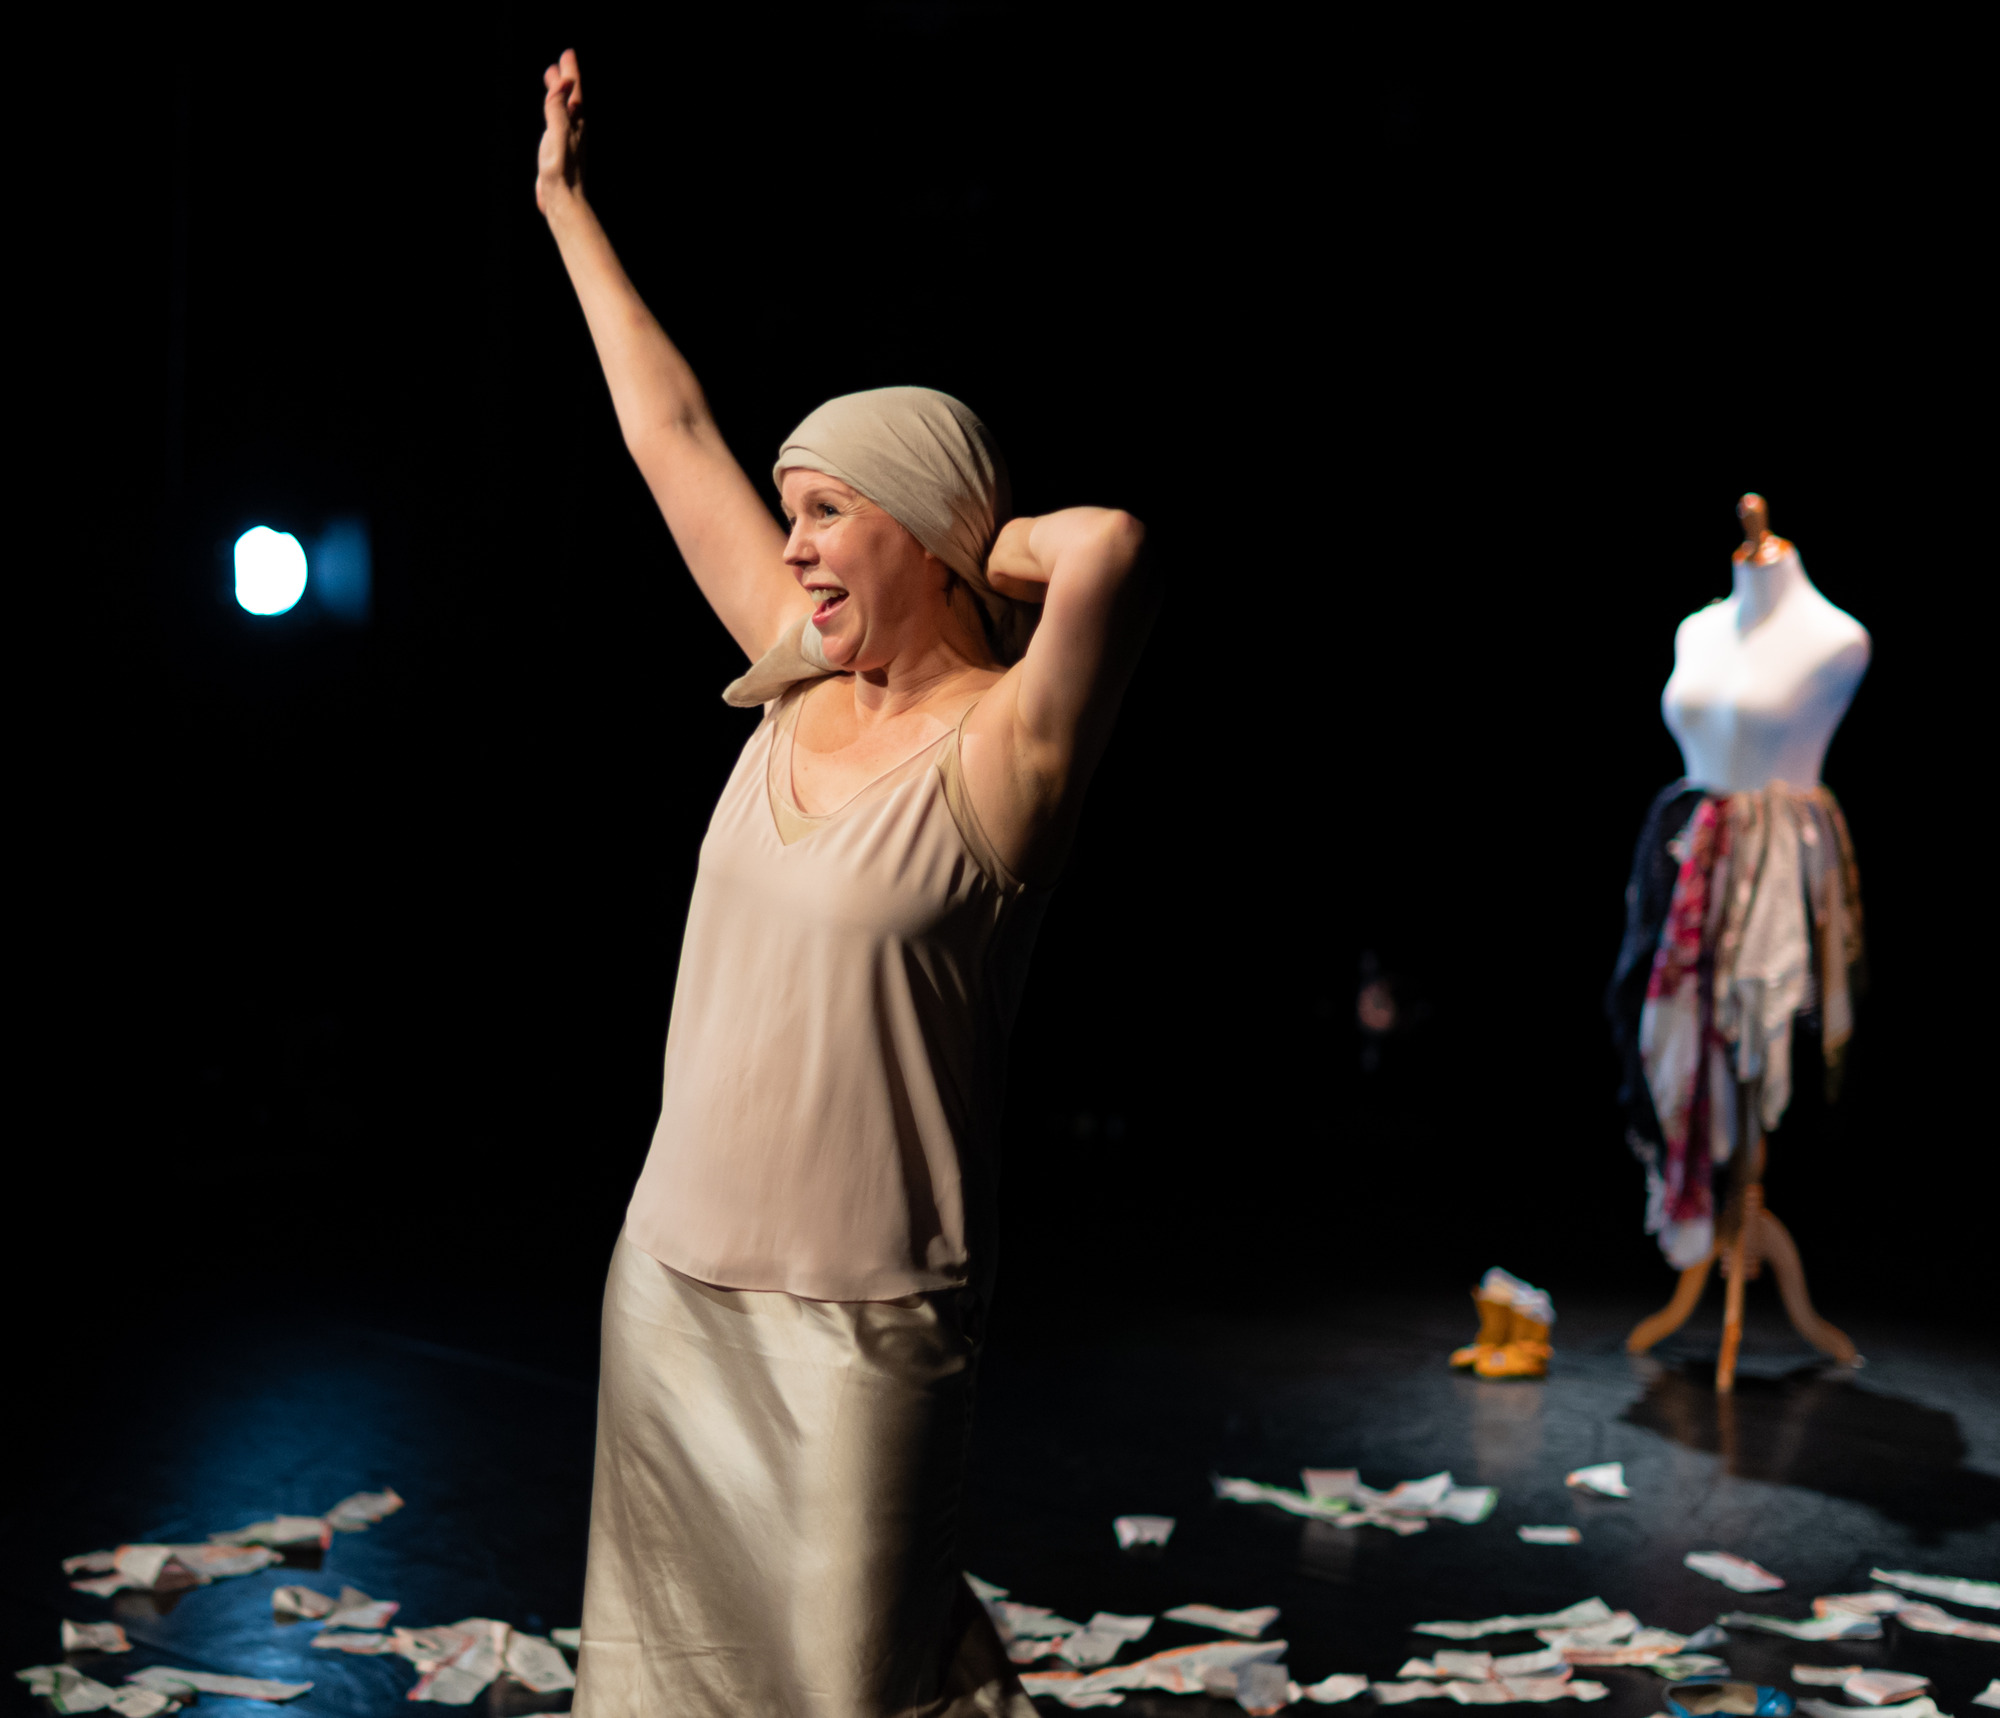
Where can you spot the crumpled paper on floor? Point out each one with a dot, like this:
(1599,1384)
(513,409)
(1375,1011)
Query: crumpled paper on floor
(279,1530)
(1579,1615)
(167,1568)
(1619,1639)
(1134,1530)
(354,1609)
(1548,1535)
(1739,1574)
(67,1689)
(1605,1478)
(1179,1670)
(1857,1682)
(1332,1690)
(93,1637)
(1989,1695)
(1250,1623)
(357,1513)
(1922,1707)
(1834,1626)
(1983,1594)
(1337,1495)
(1494,1692)
(182,1683)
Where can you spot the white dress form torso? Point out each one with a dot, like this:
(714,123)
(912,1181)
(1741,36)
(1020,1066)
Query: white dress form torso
(1762,678)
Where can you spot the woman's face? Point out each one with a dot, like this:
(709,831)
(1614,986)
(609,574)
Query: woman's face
(877,591)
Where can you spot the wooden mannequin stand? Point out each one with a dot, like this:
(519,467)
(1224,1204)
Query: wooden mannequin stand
(1748,1236)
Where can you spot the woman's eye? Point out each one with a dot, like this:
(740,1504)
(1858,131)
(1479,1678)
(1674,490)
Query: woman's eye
(827,510)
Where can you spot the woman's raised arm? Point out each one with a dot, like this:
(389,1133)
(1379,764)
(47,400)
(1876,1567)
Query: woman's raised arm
(732,545)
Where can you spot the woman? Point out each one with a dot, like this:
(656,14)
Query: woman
(792,1318)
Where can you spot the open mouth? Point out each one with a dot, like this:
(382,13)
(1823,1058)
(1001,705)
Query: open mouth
(831,600)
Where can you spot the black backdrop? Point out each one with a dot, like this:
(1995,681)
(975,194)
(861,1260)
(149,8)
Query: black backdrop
(1435,366)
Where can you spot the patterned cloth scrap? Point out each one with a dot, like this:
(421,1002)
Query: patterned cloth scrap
(1763,887)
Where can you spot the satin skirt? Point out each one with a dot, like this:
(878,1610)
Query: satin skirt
(774,1515)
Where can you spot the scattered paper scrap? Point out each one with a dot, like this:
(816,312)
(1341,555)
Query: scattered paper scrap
(279,1530)
(536,1663)
(288,1604)
(571,1640)
(93,1637)
(1548,1535)
(167,1568)
(181,1683)
(1524,1691)
(1332,1690)
(1179,1670)
(1125,1628)
(1931,1620)
(1922,1707)
(1028,1622)
(1294,1502)
(1984,1594)
(460,1678)
(362,1510)
(1883,1687)
(984,1590)
(1337,1495)
(357,1610)
(1617,1640)
(1579,1615)
(1249,1624)
(69,1690)
(1989,1695)
(364,1645)
(1605,1479)
(1738,1574)
(1824,1675)
(90,1563)
(1859,1604)
(1702,1639)
(1834,1626)
(1137,1530)
(1682,1666)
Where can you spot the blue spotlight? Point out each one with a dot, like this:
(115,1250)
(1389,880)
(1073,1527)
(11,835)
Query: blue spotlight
(270,570)
(344,570)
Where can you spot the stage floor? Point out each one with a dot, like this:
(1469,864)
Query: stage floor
(180,1419)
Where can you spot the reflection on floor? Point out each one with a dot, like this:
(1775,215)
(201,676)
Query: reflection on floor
(484,1425)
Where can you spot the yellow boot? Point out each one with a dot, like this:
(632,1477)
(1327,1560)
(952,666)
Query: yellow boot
(1495,1318)
(1525,1353)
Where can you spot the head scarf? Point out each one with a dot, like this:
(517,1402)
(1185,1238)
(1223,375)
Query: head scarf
(928,462)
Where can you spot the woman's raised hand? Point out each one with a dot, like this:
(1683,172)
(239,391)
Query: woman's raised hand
(559,162)
(1012,567)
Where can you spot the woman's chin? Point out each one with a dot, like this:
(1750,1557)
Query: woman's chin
(838,648)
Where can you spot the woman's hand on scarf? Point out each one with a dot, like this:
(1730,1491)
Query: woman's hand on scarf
(559,162)
(1012,567)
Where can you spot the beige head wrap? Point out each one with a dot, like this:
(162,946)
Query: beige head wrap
(933,467)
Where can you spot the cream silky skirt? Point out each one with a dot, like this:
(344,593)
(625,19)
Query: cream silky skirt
(774,1516)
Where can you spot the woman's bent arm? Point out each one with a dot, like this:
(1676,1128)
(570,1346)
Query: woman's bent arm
(731,544)
(1035,739)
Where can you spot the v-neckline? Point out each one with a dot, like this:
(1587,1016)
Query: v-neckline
(785,808)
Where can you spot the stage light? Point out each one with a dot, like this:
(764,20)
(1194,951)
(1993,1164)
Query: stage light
(344,570)
(270,570)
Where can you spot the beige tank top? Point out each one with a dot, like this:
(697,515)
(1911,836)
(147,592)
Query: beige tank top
(830,1113)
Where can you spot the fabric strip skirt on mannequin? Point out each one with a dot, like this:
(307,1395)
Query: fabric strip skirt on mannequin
(774,1516)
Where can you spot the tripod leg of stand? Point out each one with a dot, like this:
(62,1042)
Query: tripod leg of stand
(1676,1312)
(1778,1247)
(1739,1260)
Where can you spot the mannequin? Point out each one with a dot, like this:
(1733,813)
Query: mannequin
(1743,916)
(1762,678)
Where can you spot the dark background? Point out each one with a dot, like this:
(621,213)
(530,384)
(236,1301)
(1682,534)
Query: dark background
(1435,364)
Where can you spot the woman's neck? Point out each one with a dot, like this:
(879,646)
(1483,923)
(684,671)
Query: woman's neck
(1760,583)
